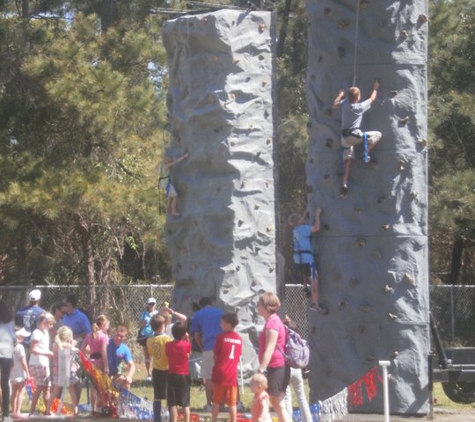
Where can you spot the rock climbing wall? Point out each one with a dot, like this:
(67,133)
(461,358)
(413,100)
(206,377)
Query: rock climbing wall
(372,250)
(220,104)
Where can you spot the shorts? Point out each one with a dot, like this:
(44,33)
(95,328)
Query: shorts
(171,191)
(307,270)
(225,394)
(159,381)
(277,380)
(179,387)
(348,142)
(41,375)
(142,340)
(207,363)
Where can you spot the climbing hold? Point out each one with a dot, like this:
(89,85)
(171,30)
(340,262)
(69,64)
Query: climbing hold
(225,291)
(341,52)
(328,372)
(325,177)
(261,27)
(364,4)
(327,11)
(266,114)
(193,267)
(388,290)
(269,229)
(329,143)
(361,329)
(242,185)
(358,210)
(218,189)
(394,93)
(327,112)
(320,59)
(236,61)
(268,141)
(401,165)
(392,316)
(408,279)
(394,355)
(271,270)
(385,227)
(326,227)
(264,83)
(365,308)
(361,243)
(238,268)
(342,304)
(414,194)
(354,282)
(404,34)
(343,24)
(377,253)
(423,142)
(403,121)
(256,207)
(232,143)
(423,18)
(370,357)
(240,223)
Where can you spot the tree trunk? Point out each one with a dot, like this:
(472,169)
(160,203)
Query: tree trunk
(283,29)
(84,230)
(456,262)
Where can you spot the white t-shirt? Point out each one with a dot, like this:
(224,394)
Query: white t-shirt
(7,338)
(42,337)
(18,374)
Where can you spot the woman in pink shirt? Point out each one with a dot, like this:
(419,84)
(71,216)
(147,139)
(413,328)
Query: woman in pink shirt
(271,357)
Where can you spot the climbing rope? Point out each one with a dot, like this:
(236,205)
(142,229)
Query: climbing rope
(356,40)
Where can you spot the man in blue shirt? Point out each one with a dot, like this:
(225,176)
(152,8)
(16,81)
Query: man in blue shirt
(205,327)
(118,351)
(303,255)
(27,316)
(75,319)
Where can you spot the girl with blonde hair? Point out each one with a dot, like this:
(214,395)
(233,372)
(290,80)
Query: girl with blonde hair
(63,358)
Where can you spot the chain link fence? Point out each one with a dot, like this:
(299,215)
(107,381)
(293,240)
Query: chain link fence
(452,306)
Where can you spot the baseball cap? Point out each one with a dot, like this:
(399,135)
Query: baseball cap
(22,332)
(151,300)
(34,295)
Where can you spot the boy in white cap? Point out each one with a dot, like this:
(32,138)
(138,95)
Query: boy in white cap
(27,316)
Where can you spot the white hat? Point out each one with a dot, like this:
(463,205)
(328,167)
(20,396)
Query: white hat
(151,300)
(22,332)
(34,295)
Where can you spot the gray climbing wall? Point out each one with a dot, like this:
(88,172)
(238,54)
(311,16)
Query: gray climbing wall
(372,251)
(220,104)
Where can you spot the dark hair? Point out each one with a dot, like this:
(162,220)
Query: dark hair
(56,307)
(178,330)
(204,301)
(73,300)
(157,322)
(230,318)
(6,314)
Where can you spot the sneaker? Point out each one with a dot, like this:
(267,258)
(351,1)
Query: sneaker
(207,408)
(344,190)
(149,378)
(318,308)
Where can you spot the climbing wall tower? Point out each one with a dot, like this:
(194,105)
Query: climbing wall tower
(372,250)
(220,104)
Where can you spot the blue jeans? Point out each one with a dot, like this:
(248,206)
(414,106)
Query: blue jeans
(5,368)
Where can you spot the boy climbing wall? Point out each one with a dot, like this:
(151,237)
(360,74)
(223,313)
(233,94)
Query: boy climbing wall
(352,111)
(303,255)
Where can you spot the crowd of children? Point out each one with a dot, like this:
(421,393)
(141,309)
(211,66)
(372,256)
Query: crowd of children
(49,363)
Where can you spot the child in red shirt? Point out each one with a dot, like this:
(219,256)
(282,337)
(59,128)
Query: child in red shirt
(179,380)
(227,352)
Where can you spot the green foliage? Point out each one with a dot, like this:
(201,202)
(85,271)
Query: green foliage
(452,129)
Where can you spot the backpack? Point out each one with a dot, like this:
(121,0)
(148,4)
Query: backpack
(297,352)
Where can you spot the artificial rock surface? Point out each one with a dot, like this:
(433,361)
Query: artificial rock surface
(372,249)
(220,102)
